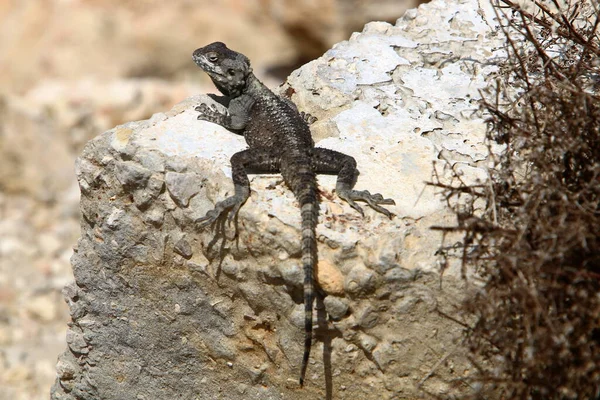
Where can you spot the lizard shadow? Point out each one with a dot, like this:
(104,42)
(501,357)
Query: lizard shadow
(323,331)
(219,230)
(222,100)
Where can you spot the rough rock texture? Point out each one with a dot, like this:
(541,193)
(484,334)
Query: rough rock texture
(41,134)
(162,311)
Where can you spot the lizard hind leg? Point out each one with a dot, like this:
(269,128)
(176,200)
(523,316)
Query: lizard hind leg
(333,162)
(227,208)
(373,200)
(251,159)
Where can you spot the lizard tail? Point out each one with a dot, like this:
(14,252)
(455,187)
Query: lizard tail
(309,204)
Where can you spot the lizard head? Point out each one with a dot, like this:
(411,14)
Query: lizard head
(228,69)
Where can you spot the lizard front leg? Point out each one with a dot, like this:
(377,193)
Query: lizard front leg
(235,118)
(257,160)
(330,161)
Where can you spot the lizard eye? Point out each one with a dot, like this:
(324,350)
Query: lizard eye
(212,57)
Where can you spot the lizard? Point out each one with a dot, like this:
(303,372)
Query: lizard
(279,141)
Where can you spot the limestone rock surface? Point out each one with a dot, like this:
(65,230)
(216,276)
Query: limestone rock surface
(161,310)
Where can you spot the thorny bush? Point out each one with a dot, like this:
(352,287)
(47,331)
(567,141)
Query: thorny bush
(536,239)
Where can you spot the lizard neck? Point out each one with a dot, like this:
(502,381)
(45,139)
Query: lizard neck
(254,86)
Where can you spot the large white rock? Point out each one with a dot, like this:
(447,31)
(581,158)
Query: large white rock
(161,310)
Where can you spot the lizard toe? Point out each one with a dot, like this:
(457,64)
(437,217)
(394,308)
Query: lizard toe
(234,213)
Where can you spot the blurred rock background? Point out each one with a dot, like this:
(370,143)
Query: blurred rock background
(72,69)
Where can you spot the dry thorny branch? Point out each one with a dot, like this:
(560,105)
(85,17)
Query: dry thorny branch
(533,233)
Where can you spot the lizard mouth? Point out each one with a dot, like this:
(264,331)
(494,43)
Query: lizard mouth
(201,61)
(206,66)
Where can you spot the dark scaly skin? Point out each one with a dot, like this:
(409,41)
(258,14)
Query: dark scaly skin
(279,140)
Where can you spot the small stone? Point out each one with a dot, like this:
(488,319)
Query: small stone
(330,278)
(384,355)
(400,275)
(293,276)
(76,342)
(112,221)
(336,308)
(67,385)
(182,186)
(65,369)
(292,383)
(195,267)
(367,342)
(152,160)
(155,217)
(296,317)
(155,185)
(176,164)
(184,249)
(421,20)
(410,14)
(132,175)
(350,348)
(385,255)
(368,317)
(142,199)
(376,27)
(361,281)
(232,269)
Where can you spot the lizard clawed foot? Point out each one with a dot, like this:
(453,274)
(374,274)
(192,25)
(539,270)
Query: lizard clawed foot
(209,113)
(228,208)
(309,119)
(373,200)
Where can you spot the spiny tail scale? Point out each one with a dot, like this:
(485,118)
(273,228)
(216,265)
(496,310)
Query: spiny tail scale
(309,250)
(302,181)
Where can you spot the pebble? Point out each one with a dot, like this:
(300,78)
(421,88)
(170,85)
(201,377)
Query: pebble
(132,175)
(182,186)
(330,278)
(336,308)
(65,369)
(367,342)
(76,342)
(368,317)
(183,248)
(360,281)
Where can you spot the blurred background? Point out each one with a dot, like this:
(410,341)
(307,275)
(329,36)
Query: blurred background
(72,69)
